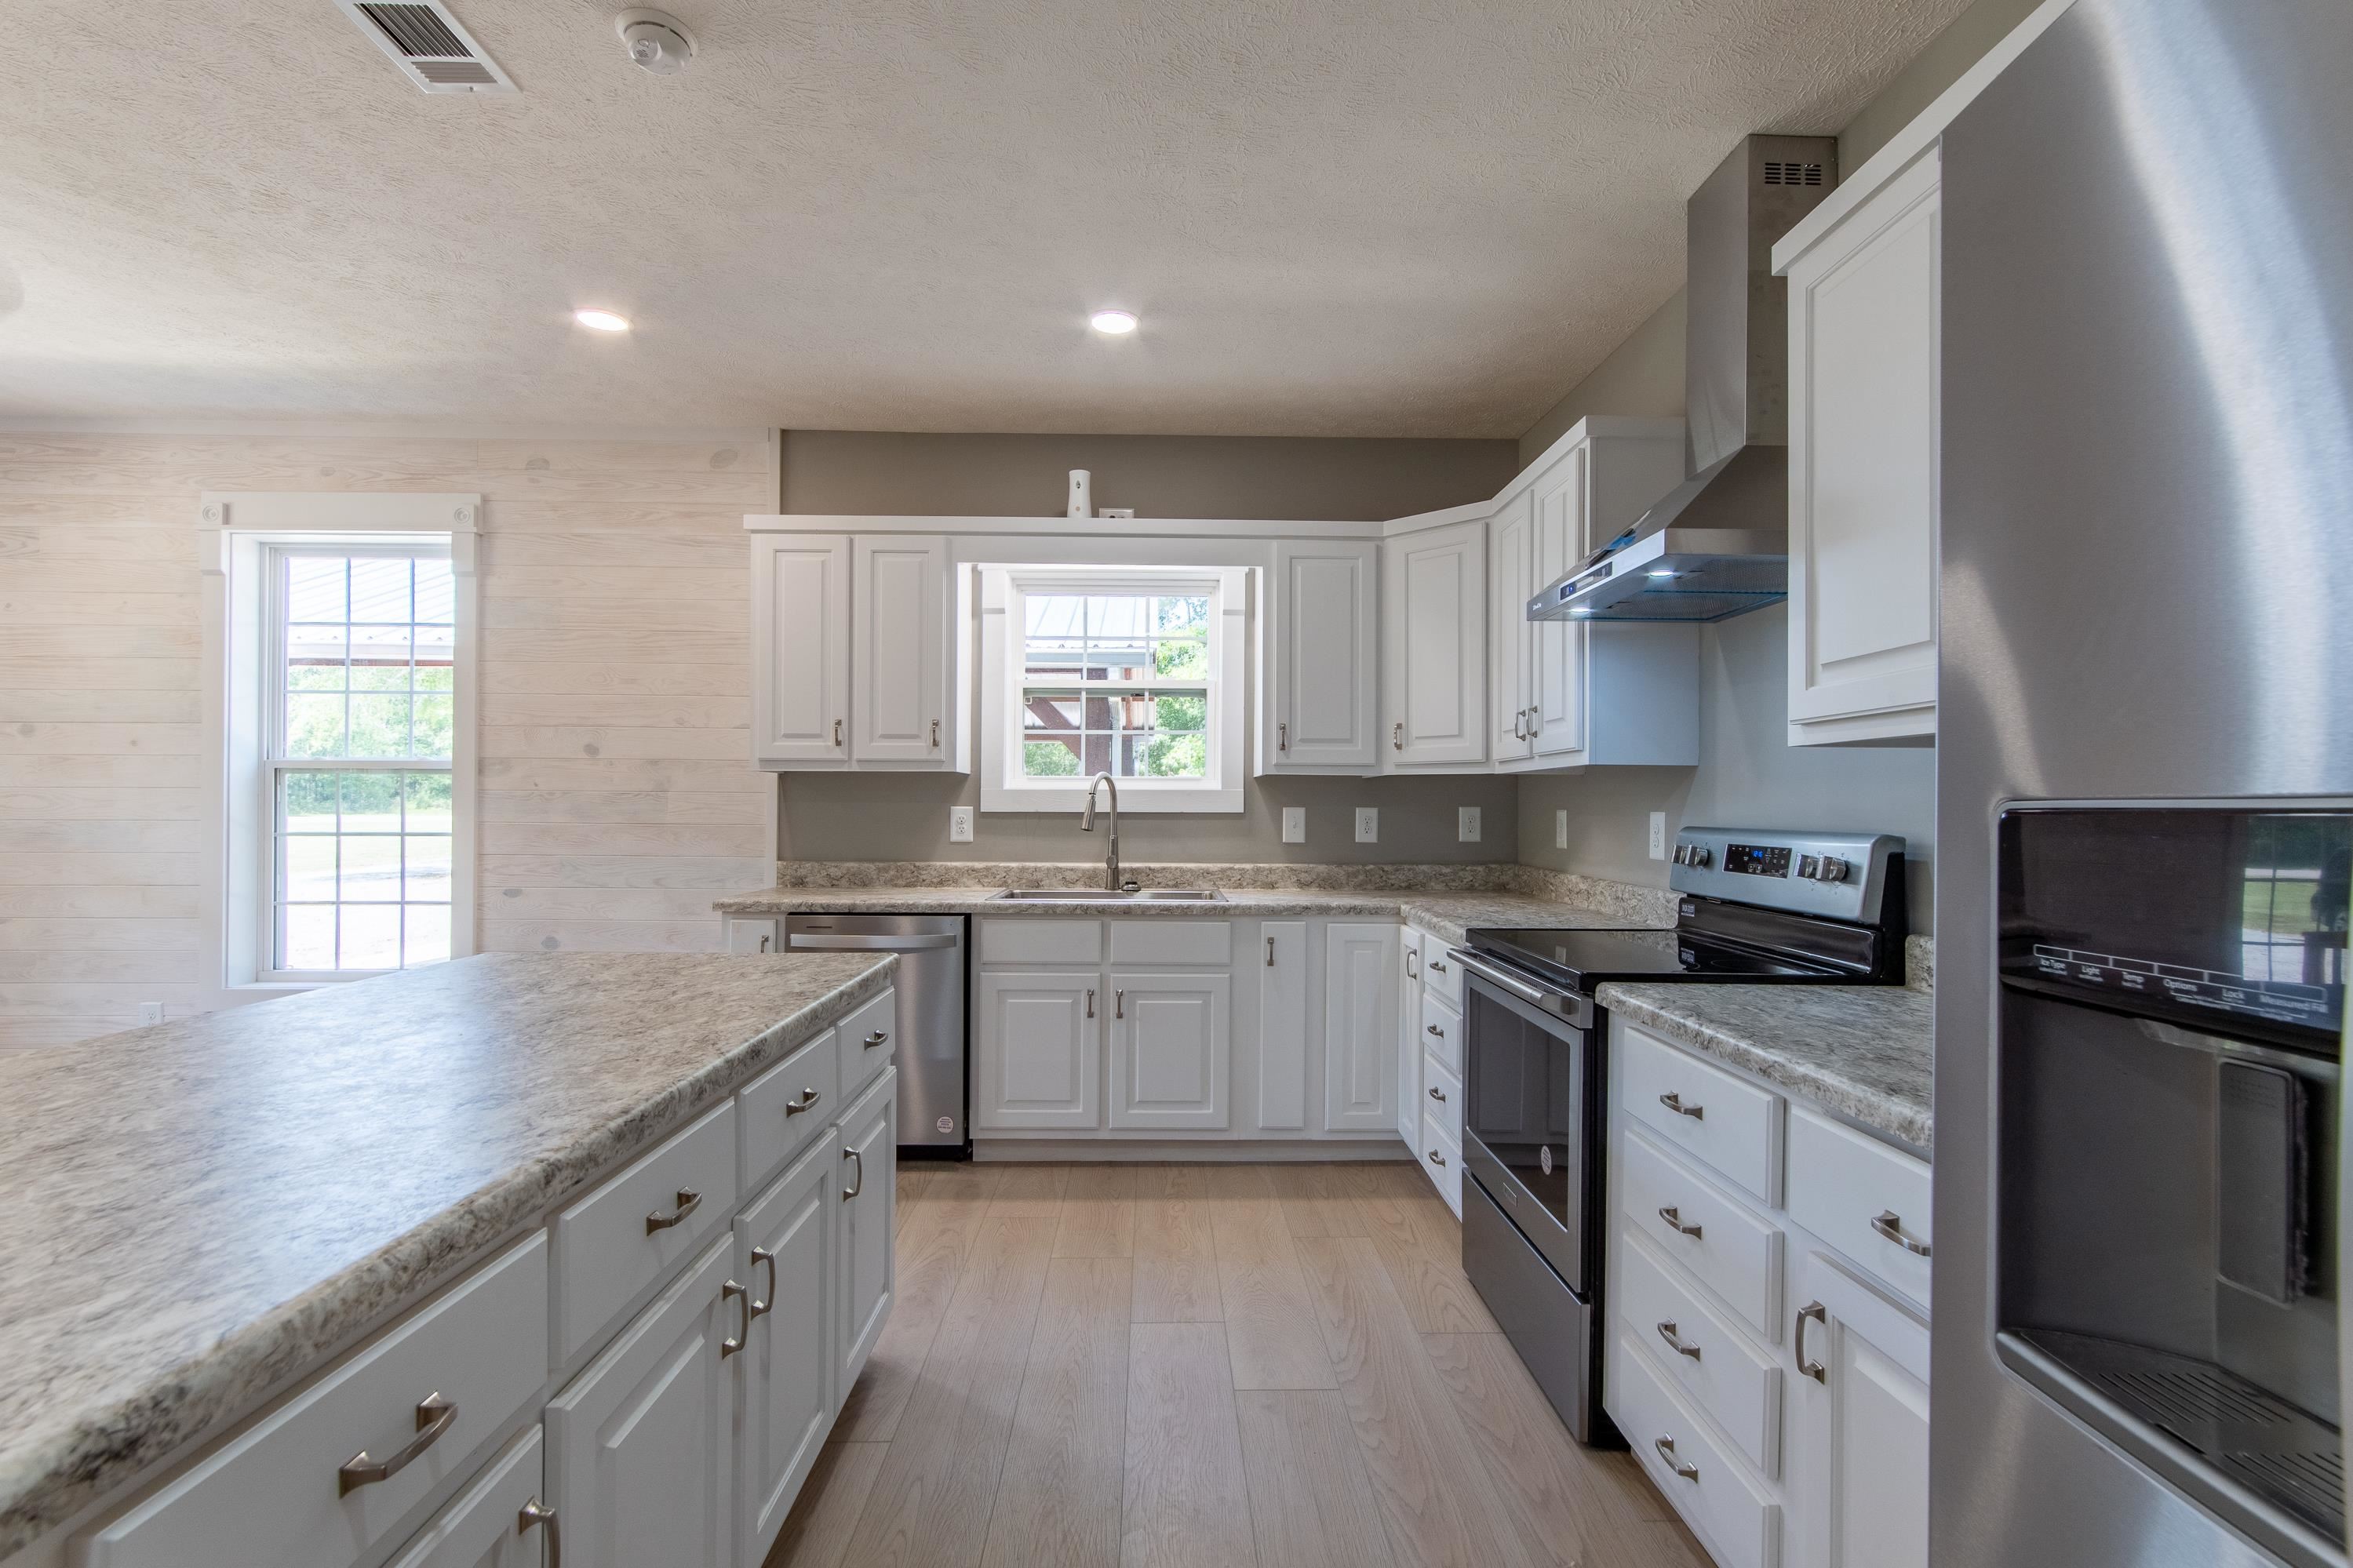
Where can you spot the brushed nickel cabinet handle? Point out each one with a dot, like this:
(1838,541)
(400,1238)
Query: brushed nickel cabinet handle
(757,1308)
(935,734)
(535,1513)
(434,1415)
(876,1039)
(1674,1102)
(1438,1094)
(1396,736)
(1090,1003)
(1520,725)
(1412,964)
(1283,737)
(728,1347)
(1436,1158)
(1673,1216)
(837,732)
(1890,1225)
(1434,1029)
(689,1200)
(1814,1312)
(1666,1447)
(764,947)
(858,1177)
(808,1097)
(1270,953)
(1119,1004)
(1675,1342)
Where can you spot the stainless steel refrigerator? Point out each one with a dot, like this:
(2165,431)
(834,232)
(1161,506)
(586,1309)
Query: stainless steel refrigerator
(2145,791)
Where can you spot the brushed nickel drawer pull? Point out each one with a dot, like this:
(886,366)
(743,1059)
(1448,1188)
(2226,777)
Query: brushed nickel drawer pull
(837,732)
(1283,737)
(759,1308)
(876,1039)
(1817,1312)
(858,1175)
(728,1347)
(1666,1447)
(808,1097)
(764,947)
(434,1417)
(1438,1094)
(1412,964)
(1674,1102)
(1675,1342)
(1436,1158)
(535,1513)
(1673,1216)
(1436,967)
(1435,1030)
(1119,1004)
(1890,1225)
(689,1200)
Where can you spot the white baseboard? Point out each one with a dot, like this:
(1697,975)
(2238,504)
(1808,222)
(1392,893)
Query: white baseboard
(1123,1150)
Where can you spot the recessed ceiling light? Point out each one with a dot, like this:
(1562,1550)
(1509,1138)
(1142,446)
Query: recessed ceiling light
(602,321)
(1113,324)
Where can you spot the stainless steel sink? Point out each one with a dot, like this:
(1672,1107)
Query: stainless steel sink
(1108,896)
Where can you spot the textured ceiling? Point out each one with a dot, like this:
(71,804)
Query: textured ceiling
(1358,216)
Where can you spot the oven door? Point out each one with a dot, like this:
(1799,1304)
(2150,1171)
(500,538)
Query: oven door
(1524,1139)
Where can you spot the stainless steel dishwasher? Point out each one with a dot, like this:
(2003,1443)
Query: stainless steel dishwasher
(931,984)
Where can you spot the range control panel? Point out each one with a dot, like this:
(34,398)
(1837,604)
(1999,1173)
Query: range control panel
(1840,876)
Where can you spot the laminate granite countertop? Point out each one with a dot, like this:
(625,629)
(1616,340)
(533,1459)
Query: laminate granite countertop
(1863,1051)
(196,1213)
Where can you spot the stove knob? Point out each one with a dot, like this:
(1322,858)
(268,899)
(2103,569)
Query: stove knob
(1700,855)
(1831,869)
(1682,854)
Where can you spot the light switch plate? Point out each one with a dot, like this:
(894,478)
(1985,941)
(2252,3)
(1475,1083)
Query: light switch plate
(1560,828)
(1294,824)
(1466,824)
(959,825)
(1368,824)
(1658,836)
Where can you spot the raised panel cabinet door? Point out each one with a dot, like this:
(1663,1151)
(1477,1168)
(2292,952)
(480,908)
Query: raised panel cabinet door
(1281,954)
(900,676)
(1321,655)
(1038,1052)
(1360,1055)
(1862,469)
(1170,1050)
(486,1526)
(747,933)
(784,1255)
(800,650)
(1409,1083)
(641,1460)
(1556,719)
(1434,626)
(866,1207)
(1860,1467)
(1511,562)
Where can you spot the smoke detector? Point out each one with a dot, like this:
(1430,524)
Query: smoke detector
(657,40)
(429,45)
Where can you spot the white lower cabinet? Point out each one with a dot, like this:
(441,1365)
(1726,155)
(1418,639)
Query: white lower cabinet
(1036,1052)
(1281,951)
(868,1207)
(1359,1033)
(1408,1040)
(784,1243)
(498,1521)
(1169,1049)
(641,1445)
(1770,1365)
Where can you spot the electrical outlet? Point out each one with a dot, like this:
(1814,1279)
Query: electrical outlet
(1658,836)
(1560,828)
(1466,824)
(1294,824)
(151,1012)
(959,825)
(1368,824)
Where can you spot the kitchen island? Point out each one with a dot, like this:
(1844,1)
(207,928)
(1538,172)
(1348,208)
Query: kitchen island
(202,1215)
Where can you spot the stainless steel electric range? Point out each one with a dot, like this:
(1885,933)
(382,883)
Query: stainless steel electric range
(1756,907)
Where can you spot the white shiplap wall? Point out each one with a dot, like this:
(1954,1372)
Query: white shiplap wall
(616,799)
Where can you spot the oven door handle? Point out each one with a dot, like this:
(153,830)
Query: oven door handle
(1575,1009)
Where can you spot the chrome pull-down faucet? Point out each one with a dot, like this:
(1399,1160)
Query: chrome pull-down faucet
(1087,824)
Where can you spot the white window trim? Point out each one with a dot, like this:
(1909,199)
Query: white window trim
(1002,786)
(235,526)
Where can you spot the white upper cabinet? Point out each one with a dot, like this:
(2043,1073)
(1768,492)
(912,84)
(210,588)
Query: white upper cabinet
(1434,647)
(800,640)
(1317,668)
(1556,649)
(1512,556)
(1863,302)
(855,660)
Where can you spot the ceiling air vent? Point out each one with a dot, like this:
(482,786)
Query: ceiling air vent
(1781,173)
(431,47)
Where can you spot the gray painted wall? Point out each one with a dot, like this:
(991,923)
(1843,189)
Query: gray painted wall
(1641,378)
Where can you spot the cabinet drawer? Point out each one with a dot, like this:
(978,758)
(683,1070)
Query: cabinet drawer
(1733,1253)
(866,1040)
(1725,1507)
(1713,1363)
(1441,1162)
(1732,1125)
(1181,940)
(1040,942)
(1851,1191)
(479,1527)
(779,1112)
(1441,1098)
(1441,1031)
(605,1253)
(274,1495)
(1440,975)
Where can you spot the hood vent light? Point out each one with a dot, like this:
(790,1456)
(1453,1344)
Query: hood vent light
(431,46)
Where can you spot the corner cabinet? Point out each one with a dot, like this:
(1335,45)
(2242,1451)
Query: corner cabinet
(856,662)
(1317,670)
(1864,295)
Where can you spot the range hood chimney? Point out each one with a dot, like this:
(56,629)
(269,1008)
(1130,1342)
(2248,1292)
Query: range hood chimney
(1717,545)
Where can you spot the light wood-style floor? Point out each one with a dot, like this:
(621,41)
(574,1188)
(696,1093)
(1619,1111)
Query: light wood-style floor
(1165,1366)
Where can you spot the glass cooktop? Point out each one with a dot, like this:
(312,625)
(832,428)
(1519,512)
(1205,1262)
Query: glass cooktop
(1581,960)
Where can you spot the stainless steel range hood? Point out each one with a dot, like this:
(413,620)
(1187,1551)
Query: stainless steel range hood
(1717,545)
